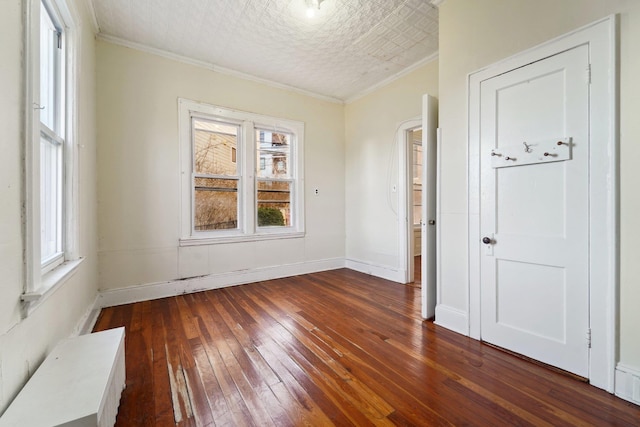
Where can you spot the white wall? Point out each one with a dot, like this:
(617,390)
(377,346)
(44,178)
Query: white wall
(25,342)
(139,181)
(372,167)
(474,34)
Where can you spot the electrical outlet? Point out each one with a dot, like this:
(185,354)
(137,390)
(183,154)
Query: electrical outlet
(316,191)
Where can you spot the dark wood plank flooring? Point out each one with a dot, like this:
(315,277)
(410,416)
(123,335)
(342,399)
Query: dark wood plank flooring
(333,348)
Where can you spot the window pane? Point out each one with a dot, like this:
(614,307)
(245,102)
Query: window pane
(50,199)
(215,146)
(216,204)
(274,203)
(49,71)
(274,150)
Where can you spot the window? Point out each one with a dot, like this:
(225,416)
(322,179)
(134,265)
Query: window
(49,149)
(52,139)
(274,182)
(241,175)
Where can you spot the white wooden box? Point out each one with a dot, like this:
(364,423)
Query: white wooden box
(78,384)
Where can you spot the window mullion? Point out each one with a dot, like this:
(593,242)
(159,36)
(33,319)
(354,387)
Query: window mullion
(248,156)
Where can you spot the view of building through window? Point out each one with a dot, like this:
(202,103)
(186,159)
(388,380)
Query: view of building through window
(216,175)
(217,178)
(274,178)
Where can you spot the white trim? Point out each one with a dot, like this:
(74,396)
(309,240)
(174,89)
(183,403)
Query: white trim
(88,320)
(438,217)
(628,383)
(405,214)
(393,78)
(601,38)
(151,291)
(213,67)
(378,270)
(71,161)
(452,318)
(51,282)
(31,171)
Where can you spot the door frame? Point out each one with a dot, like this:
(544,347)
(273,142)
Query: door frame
(405,169)
(431,176)
(601,37)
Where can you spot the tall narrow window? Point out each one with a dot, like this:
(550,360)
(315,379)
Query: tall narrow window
(242,175)
(50,159)
(274,183)
(52,138)
(216,177)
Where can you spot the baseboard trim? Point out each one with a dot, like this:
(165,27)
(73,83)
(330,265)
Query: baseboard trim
(110,298)
(628,383)
(452,318)
(88,319)
(382,271)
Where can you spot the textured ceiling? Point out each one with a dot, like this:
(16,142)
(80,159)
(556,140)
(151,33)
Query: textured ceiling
(346,48)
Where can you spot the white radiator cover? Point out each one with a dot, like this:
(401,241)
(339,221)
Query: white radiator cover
(78,384)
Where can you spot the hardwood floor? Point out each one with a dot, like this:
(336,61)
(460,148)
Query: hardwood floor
(333,348)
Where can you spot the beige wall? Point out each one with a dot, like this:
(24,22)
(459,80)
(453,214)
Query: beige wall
(372,165)
(139,180)
(474,34)
(25,342)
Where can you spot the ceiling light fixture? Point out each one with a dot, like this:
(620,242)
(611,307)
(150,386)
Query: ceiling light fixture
(312,5)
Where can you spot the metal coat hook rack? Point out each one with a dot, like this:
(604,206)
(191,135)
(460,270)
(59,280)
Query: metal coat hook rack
(529,153)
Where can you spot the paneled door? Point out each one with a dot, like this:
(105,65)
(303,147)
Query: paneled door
(534,210)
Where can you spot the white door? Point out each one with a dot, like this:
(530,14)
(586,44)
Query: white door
(534,210)
(429,176)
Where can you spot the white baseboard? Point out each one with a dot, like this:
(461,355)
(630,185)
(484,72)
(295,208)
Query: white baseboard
(110,298)
(628,383)
(382,271)
(88,319)
(452,318)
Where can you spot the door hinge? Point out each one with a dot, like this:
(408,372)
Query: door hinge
(587,74)
(589,338)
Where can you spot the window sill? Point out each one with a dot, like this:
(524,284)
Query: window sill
(197,241)
(52,280)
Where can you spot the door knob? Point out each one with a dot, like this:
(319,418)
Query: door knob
(486,240)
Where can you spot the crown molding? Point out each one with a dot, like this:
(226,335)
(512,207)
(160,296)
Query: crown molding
(92,14)
(213,67)
(392,78)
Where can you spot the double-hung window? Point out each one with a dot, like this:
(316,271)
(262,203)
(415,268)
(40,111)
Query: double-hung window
(52,137)
(49,150)
(241,175)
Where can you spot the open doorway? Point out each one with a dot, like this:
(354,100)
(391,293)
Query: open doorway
(417,213)
(414,146)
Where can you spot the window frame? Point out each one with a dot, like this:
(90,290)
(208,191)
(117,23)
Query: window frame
(247,165)
(42,277)
(54,134)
